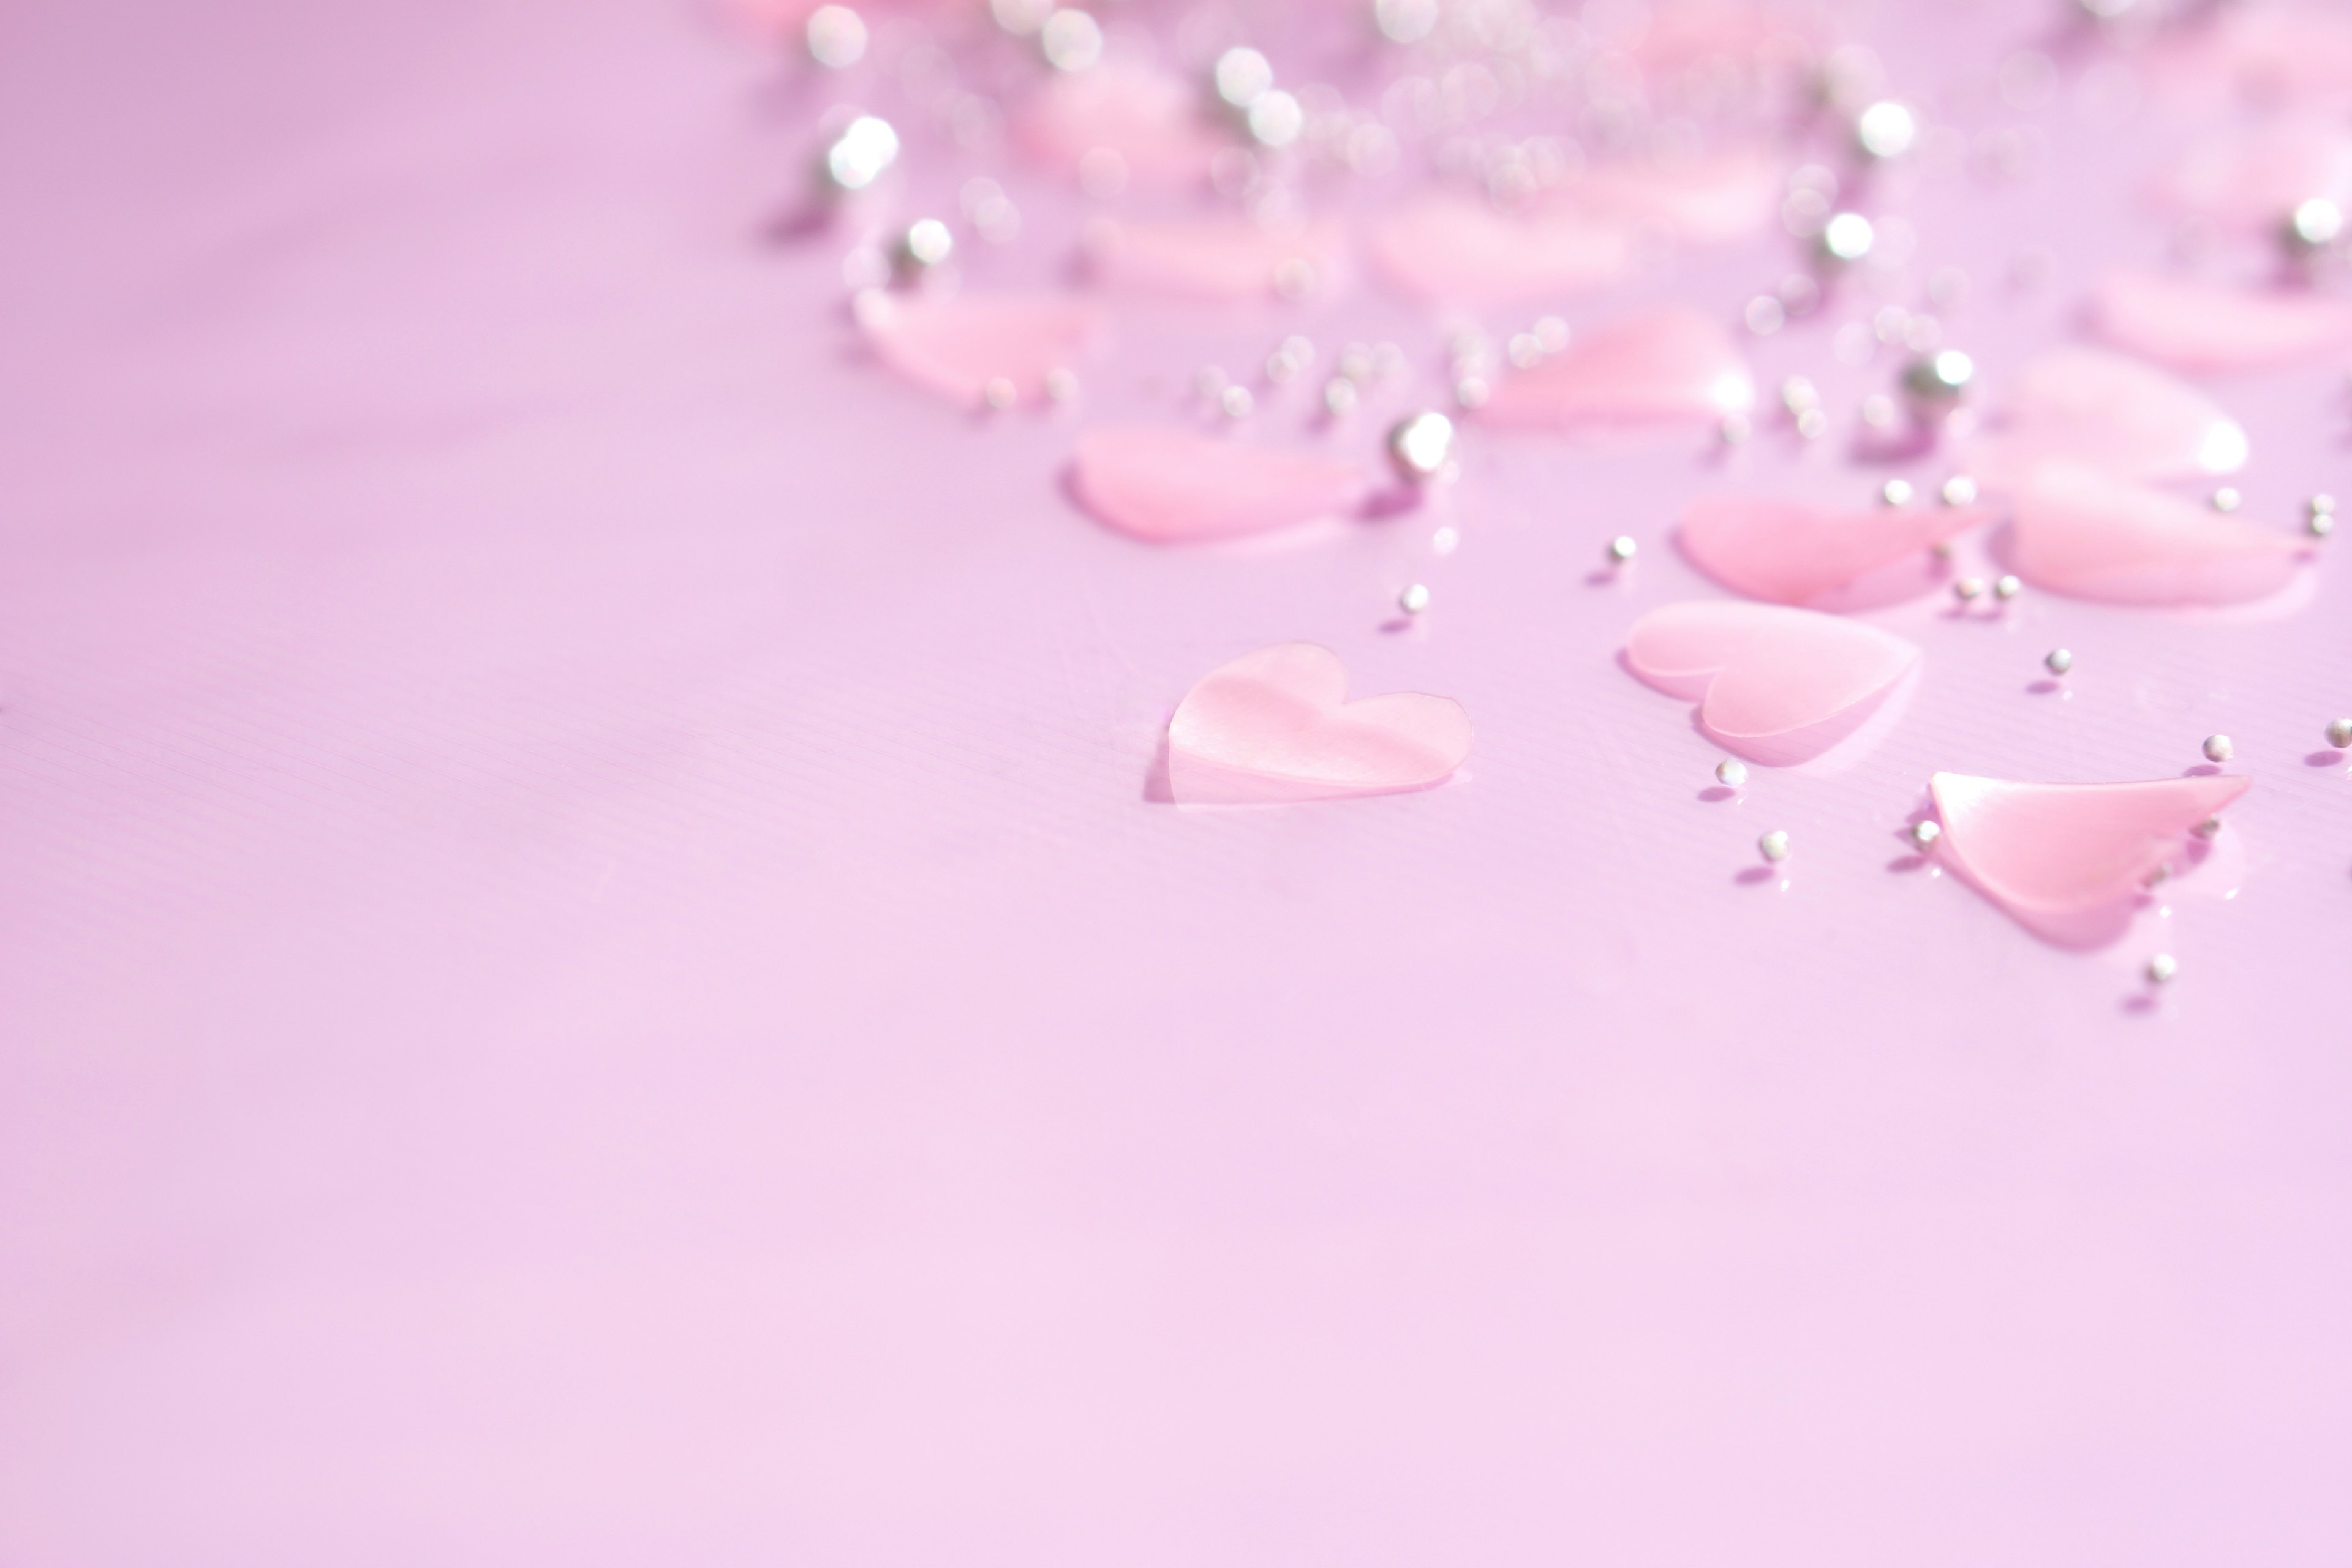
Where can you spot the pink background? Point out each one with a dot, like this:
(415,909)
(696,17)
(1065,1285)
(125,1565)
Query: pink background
(587,976)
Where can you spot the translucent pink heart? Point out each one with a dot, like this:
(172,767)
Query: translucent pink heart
(1707,202)
(2069,860)
(1455,250)
(2079,532)
(956,346)
(1217,258)
(1275,725)
(1793,553)
(2249,179)
(1663,365)
(1151,121)
(2196,326)
(1169,485)
(1776,684)
(2110,411)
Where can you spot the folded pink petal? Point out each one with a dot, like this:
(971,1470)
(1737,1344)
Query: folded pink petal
(1775,684)
(955,346)
(1167,485)
(1663,365)
(1151,119)
(2060,856)
(1709,202)
(1455,250)
(2110,411)
(2251,179)
(1275,725)
(2078,531)
(1793,553)
(1217,259)
(2198,327)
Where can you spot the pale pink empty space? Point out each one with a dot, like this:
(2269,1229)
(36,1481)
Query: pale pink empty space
(1798,552)
(1663,366)
(1457,250)
(1275,725)
(2079,532)
(2202,328)
(956,345)
(2249,177)
(2110,411)
(1172,485)
(594,972)
(1776,684)
(1710,201)
(1218,257)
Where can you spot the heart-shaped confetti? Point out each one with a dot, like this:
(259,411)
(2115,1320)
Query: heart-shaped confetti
(2204,327)
(2112,412)
(1275,725)
(2077,531)
(1793,553)
(1775,684)
(979,349)
(1663,366)
(1452,250)
(1167,485)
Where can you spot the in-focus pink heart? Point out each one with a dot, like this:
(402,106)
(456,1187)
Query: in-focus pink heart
(1712,201)
(1219,259)
(955,346)
(2251,179)
(2112,412)
(1275,725)
(2077,531)
(1454,250)
(1149,119)
(1169,485)
(1793,553)
(1662,366)
(2204,327)
(1777,685)
(2068,860)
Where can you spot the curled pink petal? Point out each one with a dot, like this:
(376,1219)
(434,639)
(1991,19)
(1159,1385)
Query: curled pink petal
(1777,685)
(2078,531)
(2195,326)
(1275,725)
(2250,180)
(1151,120)
(957,346)
(1218,259)
(2068,860)
(1710,201)
(1793,553)
(1660,366)
(1457,251)
(2110,411)
(1165,484)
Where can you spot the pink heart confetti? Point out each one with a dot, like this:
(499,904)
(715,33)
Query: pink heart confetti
(2078,531)
(2069,860)
(2200,327)
(1275,725)
(1663,366)
(961,346)
(2110,411)
(1455,250)
(1775,684)
(1712,201)
(1171,485)
(1219,259)
(1793,553)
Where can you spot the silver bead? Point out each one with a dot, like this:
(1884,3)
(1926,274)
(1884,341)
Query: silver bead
(1071,41)
(1847,238)
(2339,733)
(2314,225)
(1936,382)
(1812,424)
(1236,402)
(1925,833)
(1731,772)
(1895,492)
(1885,129)
(2218,749)
(2162,968)
(1967,589)
(1774,845)
(2006,586)
(2226,499)
(1797,393)
(1422,446)
(1061,384)
(866,147)
(2058,660)
(1000,394)
(1960,490)
(926,243)
(1734,430)
(1622,549)
(2208,828)
(1243,76)
(1878,411)
(1413,600)
(1339,396)
(1470,391)
(837,37)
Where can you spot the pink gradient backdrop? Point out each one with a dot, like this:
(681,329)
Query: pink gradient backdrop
(587,976)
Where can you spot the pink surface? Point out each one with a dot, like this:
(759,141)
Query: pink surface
(589,975)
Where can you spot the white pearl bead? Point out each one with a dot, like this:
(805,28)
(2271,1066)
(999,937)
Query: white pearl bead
(1895,492)
(2007,586)
(2162,968)
(2339,733)
(2058,660)
(1925,833)
(1967,589)
(1774,845)
(2218,749)
(1414,600)
(1423,445)
(1960,490)
(1622,549)
(1731,771)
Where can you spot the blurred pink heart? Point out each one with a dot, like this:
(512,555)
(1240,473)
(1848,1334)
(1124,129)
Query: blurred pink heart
(2281,53)
(1709,202)
(1275,725)
(1165,484)
(1219,259)
(1662,366)
(1147,119)
(2110,411)
(2196,326)
(956,346)
(2251,179)
(1793,553)
(2080,532)
(1454,250)
(2068,860)
(1777,685)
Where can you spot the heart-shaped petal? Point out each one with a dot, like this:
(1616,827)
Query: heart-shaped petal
(956,346)
(1275,725)
(1165,484)
(2078,531)
(2250,180)
(2068,860)
(1662,366)
(1777,685)
(1149,119)
(2199,327)
(1218,259)
(1457,251)
(2112,412)
(1710,201)
(1793,553)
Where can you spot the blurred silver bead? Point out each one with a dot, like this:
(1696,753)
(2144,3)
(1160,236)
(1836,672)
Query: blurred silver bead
(1421,446)
(1925,833)
(1413,600)
(2058,660)
(1967,589)
(2226,499)
(2006,586)
(1622,549)
(2218,749)
(2162,968)
(1895,492)
(1774,845)
(1960,490)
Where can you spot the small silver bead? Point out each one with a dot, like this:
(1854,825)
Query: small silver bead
(1878,411)
(1622,549)
(1895,492)
(926,243)
(2319,525)
(1812,425)
(2218,749)
(1734,429)
(1935,383)
(1960,490)
(1471,391)
(1797,393)
(1551,332)
(1236,402)
(1061,386)
(2339,733)
(1413,600)
(2207,828)
(1847,238)
(2058,660)
(1421,446)
(2006,586)
(2162,968)
(1731,771)
(1925,833)
(1339,396)
(1774,845)
(2226,499)
(1000,393)
(1967,589)
(2321,503)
